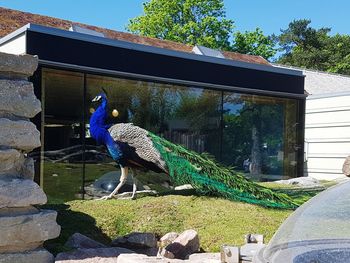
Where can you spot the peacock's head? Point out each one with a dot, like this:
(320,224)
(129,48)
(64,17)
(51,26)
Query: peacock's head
(99,97)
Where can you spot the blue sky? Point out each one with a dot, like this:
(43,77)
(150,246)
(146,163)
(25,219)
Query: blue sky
(269,15)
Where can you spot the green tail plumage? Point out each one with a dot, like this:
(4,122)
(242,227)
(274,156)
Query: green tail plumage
(208,177)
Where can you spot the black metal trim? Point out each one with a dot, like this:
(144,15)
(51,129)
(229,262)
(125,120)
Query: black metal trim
(88,54)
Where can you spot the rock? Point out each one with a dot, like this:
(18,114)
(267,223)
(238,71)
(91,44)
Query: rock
(11,161)
(136,240)
(28,171)
(346,166)
(183,187)
(167,239)
(301,181)
(184,245)
(17,98)
(78,240)
(254,238)
(205,258)
(92,255)
(20,134)
(34,256)
(16,192)
(139,258)
(17,65)
(21,232)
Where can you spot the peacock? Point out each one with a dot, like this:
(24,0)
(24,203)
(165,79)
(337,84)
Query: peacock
(138,149)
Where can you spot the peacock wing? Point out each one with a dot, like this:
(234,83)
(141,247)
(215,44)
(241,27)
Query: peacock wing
(138,139)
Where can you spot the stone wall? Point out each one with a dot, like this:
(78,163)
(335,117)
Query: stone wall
(23,226)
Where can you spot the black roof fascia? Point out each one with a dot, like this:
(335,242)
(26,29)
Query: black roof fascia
(62,46)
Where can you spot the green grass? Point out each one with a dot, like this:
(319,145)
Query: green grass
(218,221)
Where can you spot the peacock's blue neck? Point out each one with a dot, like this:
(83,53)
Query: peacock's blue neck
(99,131)
(98,127)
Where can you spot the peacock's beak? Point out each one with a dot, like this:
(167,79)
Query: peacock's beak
(97,98)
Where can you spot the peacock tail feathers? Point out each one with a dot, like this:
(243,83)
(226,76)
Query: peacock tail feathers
(210,178)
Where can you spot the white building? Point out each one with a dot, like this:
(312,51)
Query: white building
(327,124)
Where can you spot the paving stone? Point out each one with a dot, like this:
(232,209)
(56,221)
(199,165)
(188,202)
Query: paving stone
(139,258)
(92,255)
(205,258)
(34,256)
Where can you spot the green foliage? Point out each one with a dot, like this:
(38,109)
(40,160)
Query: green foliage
(254,43)
(312,48)
(192,22)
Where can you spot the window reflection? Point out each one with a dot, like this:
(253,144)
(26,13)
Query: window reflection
(255,134)
(61,162)
(259,135)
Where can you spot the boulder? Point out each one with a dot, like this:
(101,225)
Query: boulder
(136,240)
(19,66)
(301,181)
(28,171)
(34,256)
(17,98)
(183,246)
(78,240)
(20,134)
(15,192)
(167,239)
(346,166)
(23,231)
(92,255)
(11,161)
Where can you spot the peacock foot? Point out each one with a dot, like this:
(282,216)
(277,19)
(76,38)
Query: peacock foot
(106,197)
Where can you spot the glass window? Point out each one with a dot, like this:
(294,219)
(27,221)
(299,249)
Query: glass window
(61,163)
(186,115)
(260,135)
(256,134)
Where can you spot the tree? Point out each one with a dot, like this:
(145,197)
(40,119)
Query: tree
(201,22)
(254,43)
(304,46)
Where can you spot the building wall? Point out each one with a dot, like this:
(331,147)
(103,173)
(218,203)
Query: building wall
(327,135)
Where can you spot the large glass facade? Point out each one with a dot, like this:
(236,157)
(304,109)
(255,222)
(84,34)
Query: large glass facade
(255,134)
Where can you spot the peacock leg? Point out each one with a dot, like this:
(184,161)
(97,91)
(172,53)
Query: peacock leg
(134,187)
(122,181)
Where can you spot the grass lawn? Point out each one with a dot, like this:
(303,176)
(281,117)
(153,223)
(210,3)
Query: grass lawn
(217,221)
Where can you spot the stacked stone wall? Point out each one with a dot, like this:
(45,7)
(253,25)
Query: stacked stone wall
(23,226)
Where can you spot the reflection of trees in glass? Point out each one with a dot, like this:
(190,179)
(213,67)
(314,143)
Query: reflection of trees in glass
(254,130)
(200,108)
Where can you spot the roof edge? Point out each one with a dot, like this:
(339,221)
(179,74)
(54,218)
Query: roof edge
(146,48)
